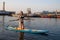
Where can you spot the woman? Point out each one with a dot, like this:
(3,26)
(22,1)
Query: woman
(21,22)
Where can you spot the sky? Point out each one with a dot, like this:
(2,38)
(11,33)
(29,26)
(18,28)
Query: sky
(35,5)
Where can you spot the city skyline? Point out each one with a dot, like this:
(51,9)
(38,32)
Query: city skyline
(35,5)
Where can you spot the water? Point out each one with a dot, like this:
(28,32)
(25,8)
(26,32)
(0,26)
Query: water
(51,24)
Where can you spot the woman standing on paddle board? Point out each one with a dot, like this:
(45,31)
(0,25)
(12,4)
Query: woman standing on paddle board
(21,22)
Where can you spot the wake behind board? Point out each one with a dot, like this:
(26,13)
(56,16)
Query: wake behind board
(27,30)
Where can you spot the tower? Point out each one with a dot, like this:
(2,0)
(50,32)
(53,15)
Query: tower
(3,6)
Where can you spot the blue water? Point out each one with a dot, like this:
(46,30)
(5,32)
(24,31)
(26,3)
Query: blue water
(51,24)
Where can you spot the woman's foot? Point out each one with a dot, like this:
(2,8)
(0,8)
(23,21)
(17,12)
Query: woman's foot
(18,28)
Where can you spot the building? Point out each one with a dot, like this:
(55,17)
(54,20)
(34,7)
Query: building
(28,11)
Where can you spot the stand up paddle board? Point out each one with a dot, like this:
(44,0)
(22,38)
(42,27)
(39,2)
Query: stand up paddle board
(26,30)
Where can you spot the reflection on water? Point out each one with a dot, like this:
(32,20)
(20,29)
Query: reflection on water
(21,37)
(51,24)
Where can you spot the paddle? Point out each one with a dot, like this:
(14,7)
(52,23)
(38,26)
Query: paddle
(18,19)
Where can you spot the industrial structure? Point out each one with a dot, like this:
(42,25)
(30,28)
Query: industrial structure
(4,12)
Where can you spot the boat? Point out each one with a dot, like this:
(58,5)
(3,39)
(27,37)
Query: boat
(26,30)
